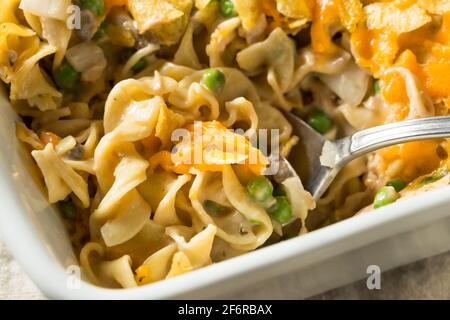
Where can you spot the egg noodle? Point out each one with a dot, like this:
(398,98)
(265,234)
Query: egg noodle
(145,118)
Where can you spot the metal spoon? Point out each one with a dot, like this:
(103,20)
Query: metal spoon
(304,160)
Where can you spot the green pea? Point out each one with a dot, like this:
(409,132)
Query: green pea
(227,8)
(320,122)
(215,208)
(68,210)
(385,196)
(397,183)
(66,77)
(281,210)
(96,6)
(214,80)
(260,189)
(376,86)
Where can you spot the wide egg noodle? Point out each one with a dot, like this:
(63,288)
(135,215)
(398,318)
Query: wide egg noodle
(277,52)
(222,36)
(57,35)
(166,214)
(60,179)
(116,155)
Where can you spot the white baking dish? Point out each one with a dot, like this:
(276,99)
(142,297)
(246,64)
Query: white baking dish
(319,261)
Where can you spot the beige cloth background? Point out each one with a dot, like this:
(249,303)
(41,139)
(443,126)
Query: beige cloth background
(426,279)
(14,284)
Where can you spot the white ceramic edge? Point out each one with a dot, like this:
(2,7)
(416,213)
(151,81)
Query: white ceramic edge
(35,255)
(333,240)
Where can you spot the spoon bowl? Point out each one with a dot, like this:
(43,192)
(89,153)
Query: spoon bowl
(317,161)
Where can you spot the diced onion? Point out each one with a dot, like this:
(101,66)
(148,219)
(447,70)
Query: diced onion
(87,58)
(329,155)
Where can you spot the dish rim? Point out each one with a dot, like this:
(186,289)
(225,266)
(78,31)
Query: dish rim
(318,245)
(51,278)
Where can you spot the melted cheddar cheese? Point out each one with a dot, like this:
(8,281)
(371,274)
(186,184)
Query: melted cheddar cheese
(425,52)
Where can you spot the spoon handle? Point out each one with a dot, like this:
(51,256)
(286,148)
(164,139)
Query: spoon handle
(375,138)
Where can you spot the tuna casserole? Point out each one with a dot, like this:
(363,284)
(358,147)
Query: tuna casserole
(103,87)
